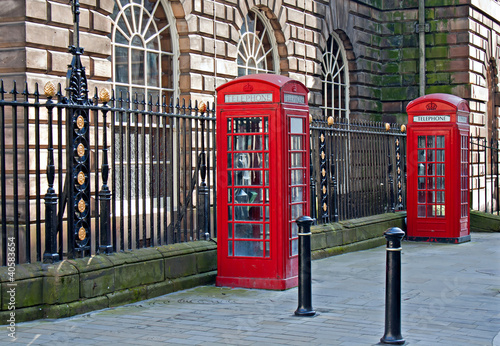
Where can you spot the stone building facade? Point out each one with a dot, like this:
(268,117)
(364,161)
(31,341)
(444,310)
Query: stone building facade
(359,58)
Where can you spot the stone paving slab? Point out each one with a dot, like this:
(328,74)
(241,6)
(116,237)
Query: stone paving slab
(450,296)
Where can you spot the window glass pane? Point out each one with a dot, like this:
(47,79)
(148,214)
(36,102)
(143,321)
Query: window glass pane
(137,66)
(229,161)
(121,65)
(266,160)
(230,248)
(440,196)
(230,195)
(248,248)
(153,70)
(252,160)
(267,231)
(229,178)
(230,230)
(294,230)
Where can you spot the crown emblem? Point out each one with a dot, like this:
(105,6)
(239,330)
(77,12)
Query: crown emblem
(431,106)
(248,87)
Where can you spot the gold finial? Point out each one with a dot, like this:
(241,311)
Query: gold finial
(387,126)
(104,96)
(310,119)
(82,233)
(403,128)
(49,89)
(330,120)
(203,107)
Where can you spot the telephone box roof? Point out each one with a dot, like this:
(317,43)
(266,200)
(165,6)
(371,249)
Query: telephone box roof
(272,79)
(441,102)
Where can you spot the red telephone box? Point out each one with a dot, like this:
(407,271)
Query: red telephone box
(438,169)
(262,180)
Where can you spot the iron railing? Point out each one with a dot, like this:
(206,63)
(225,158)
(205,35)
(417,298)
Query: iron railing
(357,169)
(142,173)
(484,175)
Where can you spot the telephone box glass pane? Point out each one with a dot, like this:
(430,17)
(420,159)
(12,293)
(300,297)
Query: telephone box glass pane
(295,142)
(296,160)
(421,211)
(421,196)
(296,211)
(247,125)
(296,194)
(430,141)
(440,155)
(297,177)
(421,169)
(430,169)
(248,231)
(430,155)
(440,169)
(440,142)
(296,125)
(295,247)
(230,248)
(248,248)
(248,142)
(421,141)
(440,183)
(421,156)
(430,183)
(430,210)
(430,197)
(421,183)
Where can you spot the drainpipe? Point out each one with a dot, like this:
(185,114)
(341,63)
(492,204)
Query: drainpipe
(421,29)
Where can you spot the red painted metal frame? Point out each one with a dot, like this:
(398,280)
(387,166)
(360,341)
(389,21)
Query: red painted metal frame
(278,271)
(453,227)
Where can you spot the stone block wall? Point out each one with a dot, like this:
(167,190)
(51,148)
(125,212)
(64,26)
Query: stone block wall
(77,286)
(35,35)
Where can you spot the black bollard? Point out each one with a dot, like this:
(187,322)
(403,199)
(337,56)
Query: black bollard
(305,291)
(392,333)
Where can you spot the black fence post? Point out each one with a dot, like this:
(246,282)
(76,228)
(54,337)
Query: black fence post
(333,189)
(203,198)
(314,206)
(50,254)
(105,194)
(305,292)
(392,333)
(389,169)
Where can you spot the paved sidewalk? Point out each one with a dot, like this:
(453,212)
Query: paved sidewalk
(451,296)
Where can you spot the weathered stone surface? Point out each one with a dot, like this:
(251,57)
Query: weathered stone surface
(61,283)
(178,266)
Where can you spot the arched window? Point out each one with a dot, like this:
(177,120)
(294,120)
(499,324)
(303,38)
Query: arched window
(335,77)
(257,46)
(143,48)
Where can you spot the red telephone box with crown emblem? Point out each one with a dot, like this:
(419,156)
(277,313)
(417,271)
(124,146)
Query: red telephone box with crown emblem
(438,169)
(262,180)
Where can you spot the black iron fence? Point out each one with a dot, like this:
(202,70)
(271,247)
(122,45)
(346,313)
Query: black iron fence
(102,174)
(484,175)
(358,168)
